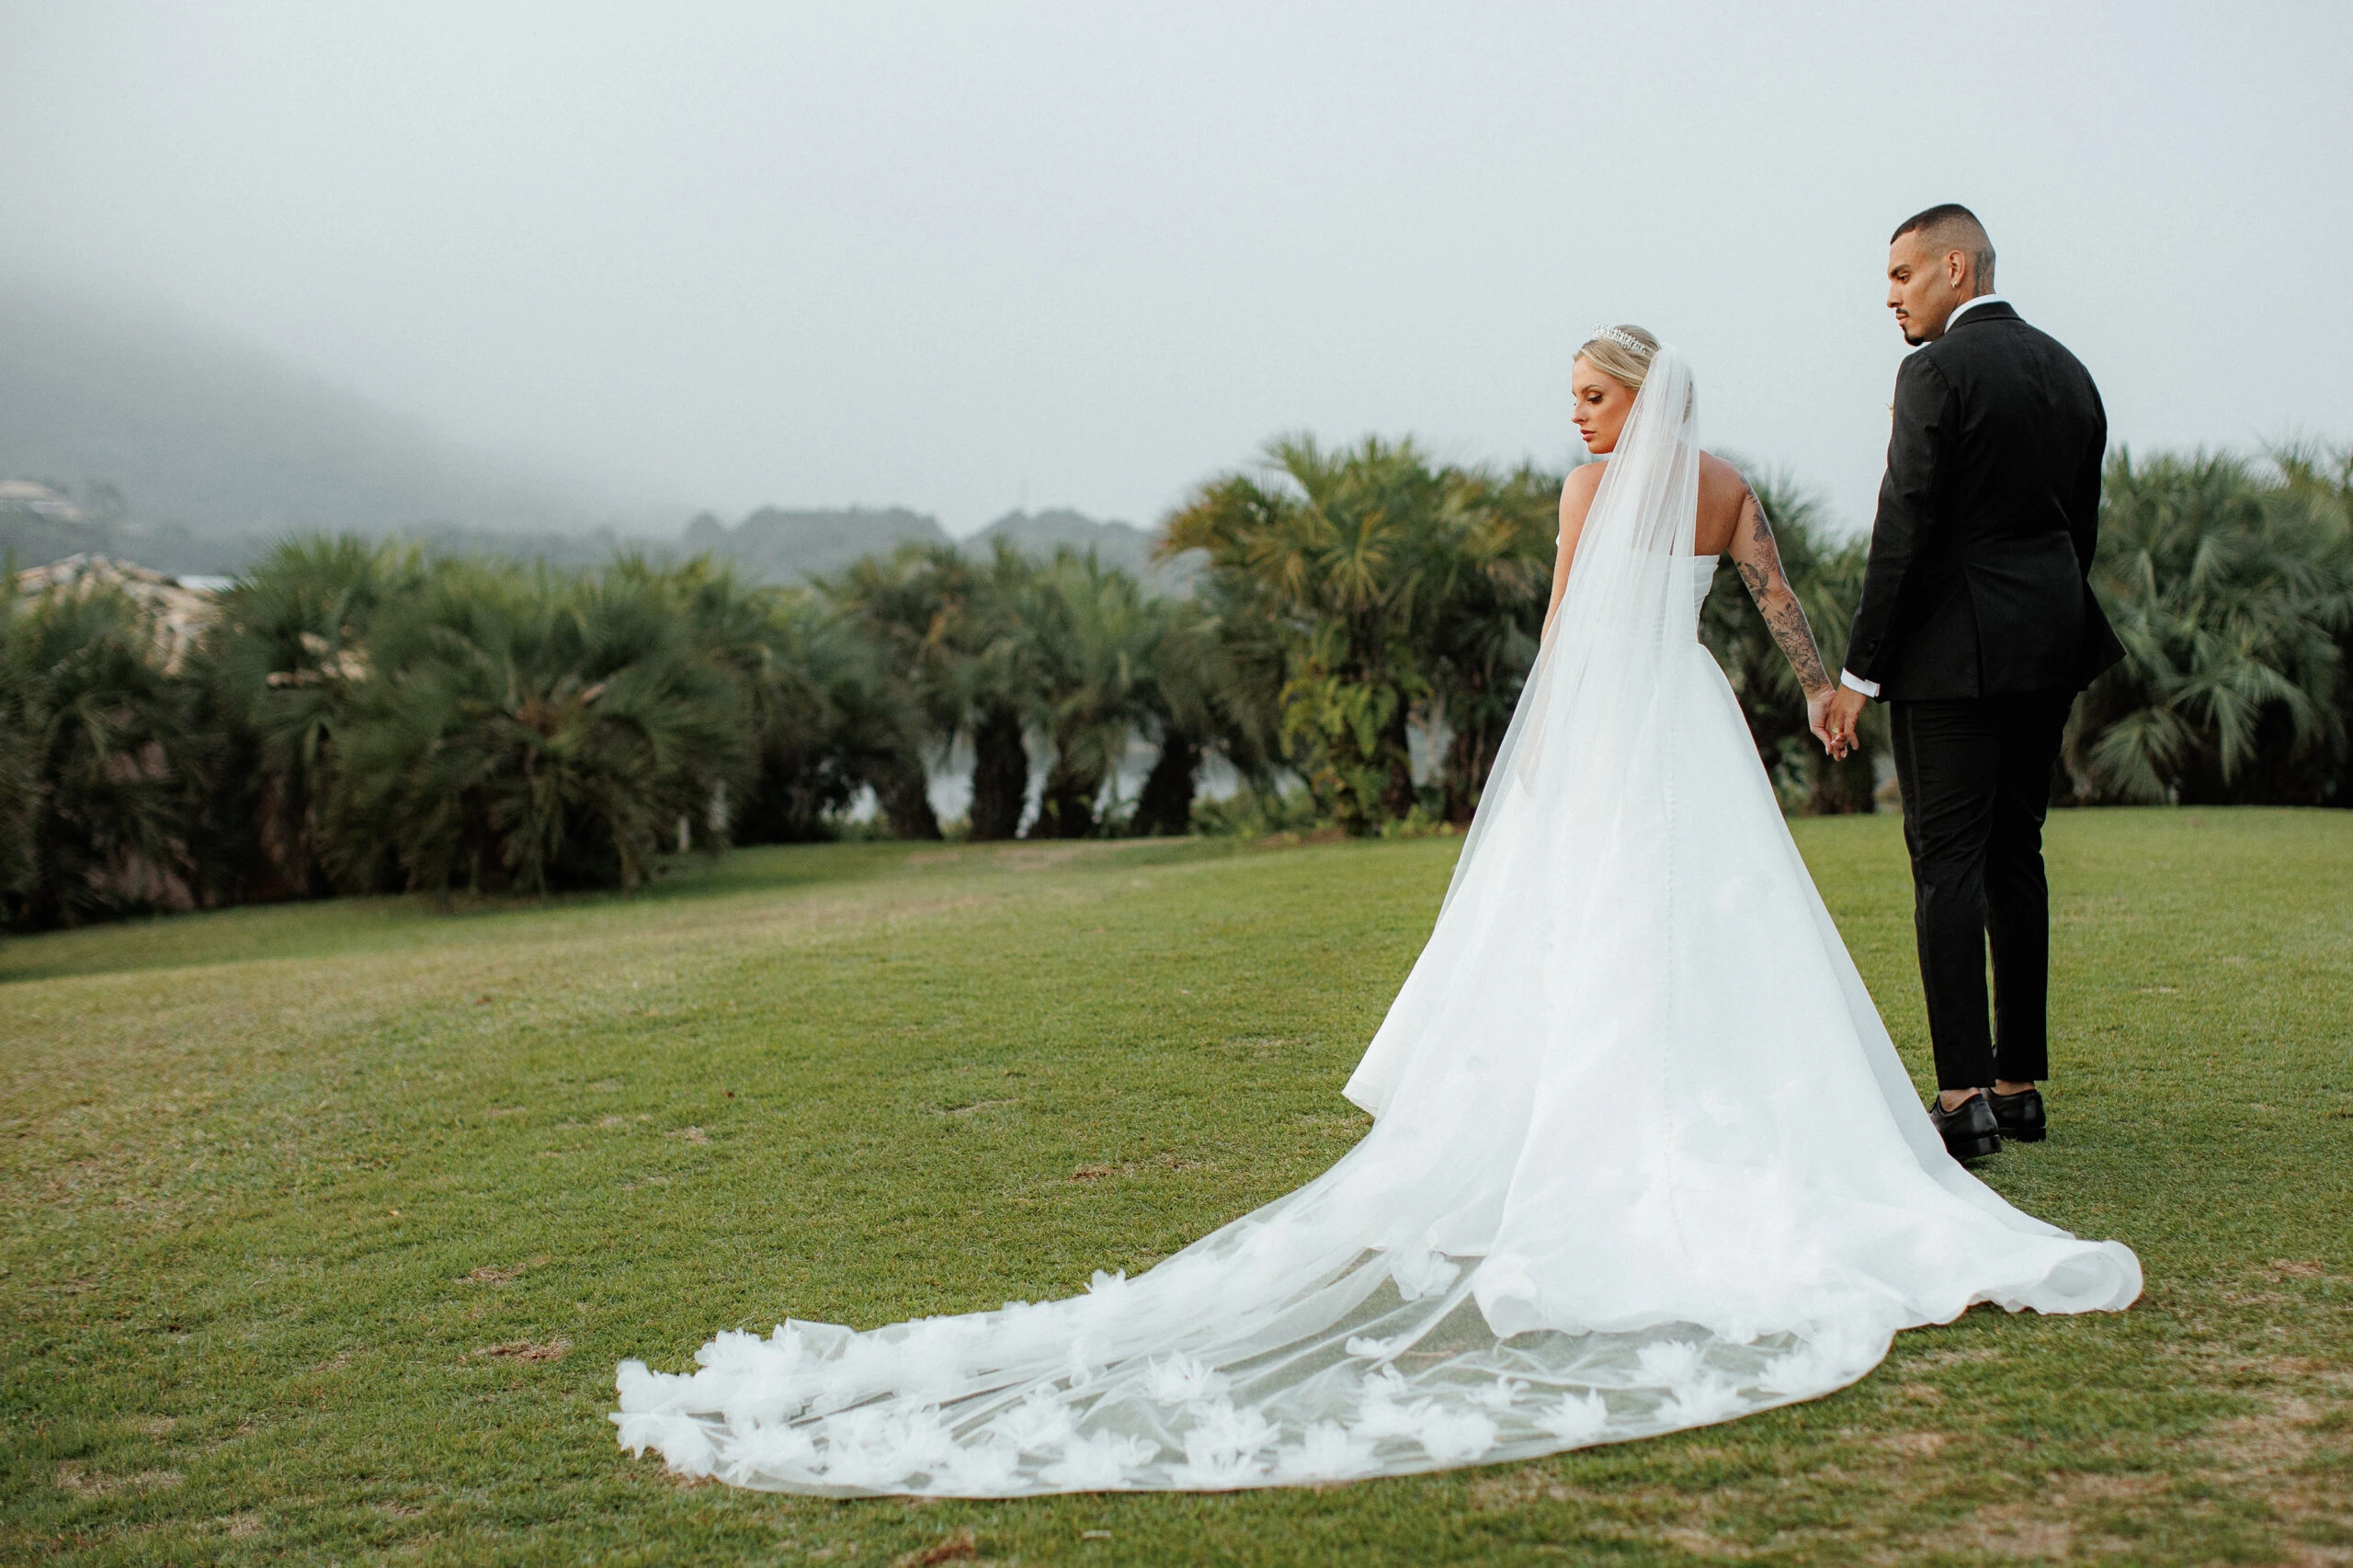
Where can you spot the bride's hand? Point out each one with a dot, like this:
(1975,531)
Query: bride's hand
(1817,710)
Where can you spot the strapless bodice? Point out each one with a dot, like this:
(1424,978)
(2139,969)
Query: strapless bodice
(1703,573)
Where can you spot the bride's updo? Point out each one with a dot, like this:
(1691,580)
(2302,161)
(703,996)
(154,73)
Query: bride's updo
(1621,353)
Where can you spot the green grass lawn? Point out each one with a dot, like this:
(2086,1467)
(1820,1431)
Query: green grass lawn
(323,1226)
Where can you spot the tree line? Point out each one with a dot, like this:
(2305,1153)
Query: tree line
(367,718)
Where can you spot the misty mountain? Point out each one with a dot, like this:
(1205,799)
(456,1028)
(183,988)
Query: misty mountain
(154,426)
(1122,545)
(32,540)
(774,545)
(771,545)
(133,435)
(1115,544)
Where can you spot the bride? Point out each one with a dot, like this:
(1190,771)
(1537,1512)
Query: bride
(1644,1156)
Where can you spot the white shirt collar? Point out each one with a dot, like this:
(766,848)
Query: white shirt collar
(1968,305)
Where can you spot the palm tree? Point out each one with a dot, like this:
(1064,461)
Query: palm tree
(744,632)
(20,777)
(2324,478)
(908,603)
(1093,634)
(828,717)
(2233,595)
(1211,686)
(278,667)
(94,778)
(998,680)
(525,730)
(1490,580)
(954,631)
(1333,546)
(2313,470)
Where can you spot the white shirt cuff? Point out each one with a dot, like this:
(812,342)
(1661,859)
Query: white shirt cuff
(1854,682)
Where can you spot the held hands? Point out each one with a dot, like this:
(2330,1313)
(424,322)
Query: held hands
(1817,708)
(1832,714)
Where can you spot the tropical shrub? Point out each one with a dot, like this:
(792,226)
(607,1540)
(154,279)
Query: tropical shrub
(1095,636)
(19,779)
(358,716)
(525,730)
(99,762)
(276,671)
(1489,579)
(1399,592)
(1062,660)
(952,633)
(1211,686)
(2232,590)
(1261,812)
(826,719)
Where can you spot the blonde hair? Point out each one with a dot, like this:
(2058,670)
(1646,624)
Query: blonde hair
(1615,359)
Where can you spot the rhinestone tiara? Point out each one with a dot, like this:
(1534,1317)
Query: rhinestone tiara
(1626,341)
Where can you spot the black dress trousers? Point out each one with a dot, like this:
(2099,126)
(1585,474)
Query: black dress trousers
(1976,779)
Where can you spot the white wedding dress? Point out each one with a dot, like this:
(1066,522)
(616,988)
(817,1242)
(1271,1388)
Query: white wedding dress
(1644,1156)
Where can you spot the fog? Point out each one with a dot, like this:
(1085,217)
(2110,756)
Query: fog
(967,258)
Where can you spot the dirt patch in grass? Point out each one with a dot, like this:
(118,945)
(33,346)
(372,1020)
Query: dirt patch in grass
(83,1481)
(961,1547)
(2282,1454)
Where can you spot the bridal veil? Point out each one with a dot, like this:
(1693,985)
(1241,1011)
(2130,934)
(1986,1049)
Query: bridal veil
(1644,1156)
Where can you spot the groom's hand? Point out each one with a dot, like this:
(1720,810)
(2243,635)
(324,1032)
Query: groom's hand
(1834,716)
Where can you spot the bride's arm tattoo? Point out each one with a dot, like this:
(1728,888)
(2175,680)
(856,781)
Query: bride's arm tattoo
(1758,560)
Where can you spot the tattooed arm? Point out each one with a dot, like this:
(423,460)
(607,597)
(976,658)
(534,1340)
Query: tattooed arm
(1758,560)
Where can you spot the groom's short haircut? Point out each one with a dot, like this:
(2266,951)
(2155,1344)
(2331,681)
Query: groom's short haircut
(1951,226)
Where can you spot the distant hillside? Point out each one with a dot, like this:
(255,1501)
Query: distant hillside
(773,545)
(153,443)
(34,540)
(777,546)
(1123,545)
(1115,544)
(153,425)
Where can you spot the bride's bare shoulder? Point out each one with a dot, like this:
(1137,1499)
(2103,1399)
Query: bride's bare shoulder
(1719,479)
(1576,491)
(1721,491)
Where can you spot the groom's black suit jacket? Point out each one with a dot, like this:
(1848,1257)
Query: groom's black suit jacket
(1987,519)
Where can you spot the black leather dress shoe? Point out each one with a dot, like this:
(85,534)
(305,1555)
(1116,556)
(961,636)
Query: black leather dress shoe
(1969,1128)
(2019,1116)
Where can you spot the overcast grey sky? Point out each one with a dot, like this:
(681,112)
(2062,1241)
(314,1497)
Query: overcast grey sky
(963,256)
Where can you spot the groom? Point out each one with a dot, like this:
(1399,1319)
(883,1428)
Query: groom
(1977,626)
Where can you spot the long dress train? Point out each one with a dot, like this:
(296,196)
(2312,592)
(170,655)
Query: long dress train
(1644,1155)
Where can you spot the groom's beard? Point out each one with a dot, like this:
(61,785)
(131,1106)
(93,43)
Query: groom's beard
(1912,338)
